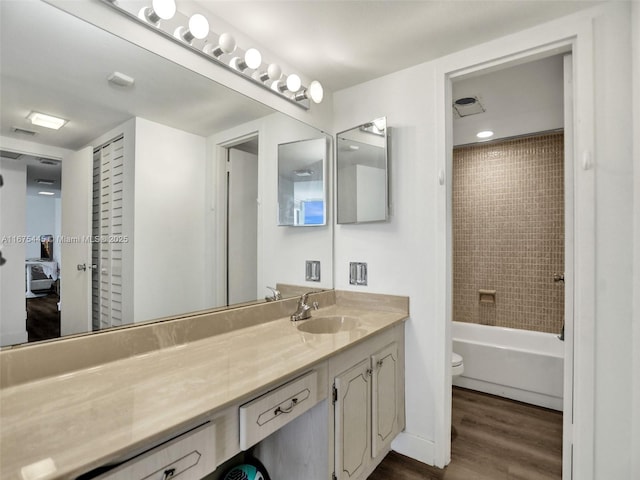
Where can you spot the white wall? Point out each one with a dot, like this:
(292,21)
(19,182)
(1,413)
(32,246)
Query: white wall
(169,240)
(635,42)
(614,245)
(13,307)
(403,254)
(285,249)
(282,251)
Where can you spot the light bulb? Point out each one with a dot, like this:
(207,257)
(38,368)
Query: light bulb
(198,26)
(293,83)
(159,10)
(165,9)
(316,92)
(274,72)
(253,58)
(226,44)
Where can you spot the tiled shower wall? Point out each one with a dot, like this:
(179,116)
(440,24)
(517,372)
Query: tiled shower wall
(508,233)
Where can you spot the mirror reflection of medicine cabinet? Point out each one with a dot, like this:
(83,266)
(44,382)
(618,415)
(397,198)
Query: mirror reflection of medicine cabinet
(362,173)
(302,173)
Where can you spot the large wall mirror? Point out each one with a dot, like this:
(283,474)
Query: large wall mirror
(301,183)
(362,173)
(156,173)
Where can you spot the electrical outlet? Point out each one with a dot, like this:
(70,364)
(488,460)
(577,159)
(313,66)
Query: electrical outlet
(312,270)
(357,273)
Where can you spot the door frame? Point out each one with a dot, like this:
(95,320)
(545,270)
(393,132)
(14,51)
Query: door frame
(578,438)
(219,205)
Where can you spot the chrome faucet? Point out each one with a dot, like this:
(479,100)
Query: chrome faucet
(303,311)
(276,295)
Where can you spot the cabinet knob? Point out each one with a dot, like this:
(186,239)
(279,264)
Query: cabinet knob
(380,362)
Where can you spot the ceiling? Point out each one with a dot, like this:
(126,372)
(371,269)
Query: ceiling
(344,43)
(59,65)
(340,43)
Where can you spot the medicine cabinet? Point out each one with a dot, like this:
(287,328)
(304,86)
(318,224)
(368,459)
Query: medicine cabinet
(362,173)
(302,189)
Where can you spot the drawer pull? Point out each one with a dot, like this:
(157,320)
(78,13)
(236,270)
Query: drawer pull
(280,410)
(168,473)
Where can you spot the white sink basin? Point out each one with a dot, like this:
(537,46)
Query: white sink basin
(328,324)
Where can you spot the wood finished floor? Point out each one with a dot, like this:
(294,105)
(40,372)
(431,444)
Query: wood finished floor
(43,317)
(494,439)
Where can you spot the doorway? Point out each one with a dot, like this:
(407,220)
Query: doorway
(470,115)
(242,221)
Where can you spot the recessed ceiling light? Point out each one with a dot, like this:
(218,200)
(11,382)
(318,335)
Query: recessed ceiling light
(47,121)
(44,181)
(484,134)
(121,80)
(305,172)
(46,193)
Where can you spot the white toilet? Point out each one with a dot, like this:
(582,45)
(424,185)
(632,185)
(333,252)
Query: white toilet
(457,364)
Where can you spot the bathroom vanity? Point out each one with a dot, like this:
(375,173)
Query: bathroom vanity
(181,397)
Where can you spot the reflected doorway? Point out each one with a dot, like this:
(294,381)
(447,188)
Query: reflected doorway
(242,221)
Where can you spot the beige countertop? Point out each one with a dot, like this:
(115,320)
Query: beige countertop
(76,421)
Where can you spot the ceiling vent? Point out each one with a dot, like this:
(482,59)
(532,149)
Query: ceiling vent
(466,106)
(22,131)
(46,161)
(11,155)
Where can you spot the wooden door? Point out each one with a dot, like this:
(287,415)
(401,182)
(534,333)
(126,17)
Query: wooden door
(352,413)
(384,397)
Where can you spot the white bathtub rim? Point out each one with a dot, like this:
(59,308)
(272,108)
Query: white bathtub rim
(525,341)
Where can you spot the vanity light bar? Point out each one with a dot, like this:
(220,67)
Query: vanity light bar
(193,33)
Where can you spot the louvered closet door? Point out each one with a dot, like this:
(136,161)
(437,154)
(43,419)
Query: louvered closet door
(108,232)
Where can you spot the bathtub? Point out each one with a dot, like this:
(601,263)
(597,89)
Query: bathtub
(518,364)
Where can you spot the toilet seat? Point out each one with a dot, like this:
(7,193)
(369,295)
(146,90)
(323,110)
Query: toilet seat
(457,364)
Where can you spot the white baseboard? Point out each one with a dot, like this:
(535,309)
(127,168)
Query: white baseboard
(518,394)
(415,447)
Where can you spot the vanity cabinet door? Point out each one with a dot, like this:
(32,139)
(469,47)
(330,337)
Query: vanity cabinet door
(352,416)
(384,397)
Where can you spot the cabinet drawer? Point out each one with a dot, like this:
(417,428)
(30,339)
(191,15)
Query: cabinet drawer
(190,456)
(269,412)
